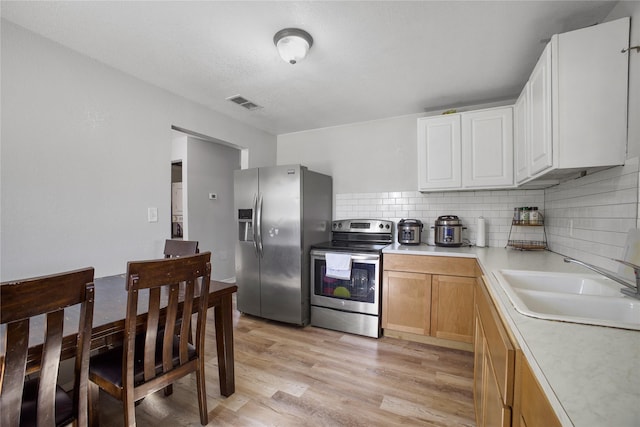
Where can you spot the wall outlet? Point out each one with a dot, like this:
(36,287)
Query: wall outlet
(213,196)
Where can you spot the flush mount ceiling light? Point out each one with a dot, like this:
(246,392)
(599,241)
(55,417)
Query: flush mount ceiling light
(293,44)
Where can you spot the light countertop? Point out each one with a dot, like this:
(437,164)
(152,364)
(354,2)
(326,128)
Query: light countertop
(591,374)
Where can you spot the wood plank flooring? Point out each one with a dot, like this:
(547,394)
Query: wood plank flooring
(292,376)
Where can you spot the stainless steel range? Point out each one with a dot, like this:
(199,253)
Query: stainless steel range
(348,300)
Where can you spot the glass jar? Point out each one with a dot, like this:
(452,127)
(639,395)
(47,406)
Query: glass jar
(534,215)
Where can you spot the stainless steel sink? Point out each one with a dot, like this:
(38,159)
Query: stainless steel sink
(578,298)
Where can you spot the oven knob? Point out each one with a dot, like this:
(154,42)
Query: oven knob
(339,225)
(387,226)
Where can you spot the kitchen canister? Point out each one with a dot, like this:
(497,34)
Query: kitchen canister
(481,233)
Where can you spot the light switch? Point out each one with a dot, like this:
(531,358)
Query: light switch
(213,196)
(152,214)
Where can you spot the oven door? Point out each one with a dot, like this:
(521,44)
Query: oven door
(360,294)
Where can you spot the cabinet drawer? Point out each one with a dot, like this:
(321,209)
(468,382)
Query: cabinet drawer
(451,266)
(501,351)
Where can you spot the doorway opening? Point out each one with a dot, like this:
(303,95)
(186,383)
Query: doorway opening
(177,208)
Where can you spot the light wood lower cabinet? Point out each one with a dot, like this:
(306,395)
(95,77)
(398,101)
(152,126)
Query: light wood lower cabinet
(505,391)
(445,298)
(493,367)
(452,307)
(531,408)
(406,302)
(429,296)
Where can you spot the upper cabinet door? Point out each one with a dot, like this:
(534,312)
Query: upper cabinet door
(439,152)
(592,89)
(521,135)
(540,130)
(487,148)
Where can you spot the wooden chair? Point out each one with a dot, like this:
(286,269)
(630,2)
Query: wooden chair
(159,355)
(40,400)
(178,248)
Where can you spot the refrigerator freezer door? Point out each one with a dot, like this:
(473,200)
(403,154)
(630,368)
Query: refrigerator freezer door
(247,259)
(281,262)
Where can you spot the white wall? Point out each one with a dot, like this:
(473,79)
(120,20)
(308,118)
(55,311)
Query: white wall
(361,157)
(85,151)
(212,222)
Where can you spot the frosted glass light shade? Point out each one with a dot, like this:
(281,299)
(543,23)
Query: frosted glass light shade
(293,44)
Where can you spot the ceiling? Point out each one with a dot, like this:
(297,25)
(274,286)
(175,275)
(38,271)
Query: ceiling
(370,59)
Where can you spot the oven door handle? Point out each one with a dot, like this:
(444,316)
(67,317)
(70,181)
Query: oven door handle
(358,257)
(365,257)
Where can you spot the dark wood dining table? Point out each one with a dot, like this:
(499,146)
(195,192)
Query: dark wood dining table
(108,325)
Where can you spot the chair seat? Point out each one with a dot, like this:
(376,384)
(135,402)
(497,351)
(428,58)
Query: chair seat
(64,405)
(108,365)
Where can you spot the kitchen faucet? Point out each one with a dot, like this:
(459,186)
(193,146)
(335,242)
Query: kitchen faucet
(633,291)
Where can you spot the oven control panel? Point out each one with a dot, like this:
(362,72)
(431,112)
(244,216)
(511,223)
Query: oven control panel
(363,226)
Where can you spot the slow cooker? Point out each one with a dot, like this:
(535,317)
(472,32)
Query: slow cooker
(448,231)
(409,231)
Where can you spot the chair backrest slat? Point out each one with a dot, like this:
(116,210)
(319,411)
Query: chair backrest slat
(204,304)
(185,325)
(15,363)
(153,317)
(23,300)
(83,352)
(49,367)
(170,327)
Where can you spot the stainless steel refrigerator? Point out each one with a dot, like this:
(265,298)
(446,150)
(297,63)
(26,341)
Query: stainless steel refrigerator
(281,211)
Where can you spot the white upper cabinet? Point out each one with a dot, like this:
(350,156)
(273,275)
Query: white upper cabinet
(521,135)
(540,155)
(439,160)
(487,148)
(470,150)
(572,113)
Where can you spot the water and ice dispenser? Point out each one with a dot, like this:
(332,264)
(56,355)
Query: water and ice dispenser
(245,225)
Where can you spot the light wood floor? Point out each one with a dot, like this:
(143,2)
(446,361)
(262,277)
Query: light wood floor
(292,376)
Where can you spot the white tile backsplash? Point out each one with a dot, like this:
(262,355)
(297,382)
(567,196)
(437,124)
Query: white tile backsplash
(495,206)
(588,218)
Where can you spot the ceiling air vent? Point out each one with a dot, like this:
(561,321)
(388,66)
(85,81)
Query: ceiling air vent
(244,102)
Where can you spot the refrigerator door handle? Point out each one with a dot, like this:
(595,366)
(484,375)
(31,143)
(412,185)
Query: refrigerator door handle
(259,226)
(255,213)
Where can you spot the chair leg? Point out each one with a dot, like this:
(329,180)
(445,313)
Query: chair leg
(202,394)
(168,390)
(94,396)
(129,409)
